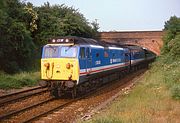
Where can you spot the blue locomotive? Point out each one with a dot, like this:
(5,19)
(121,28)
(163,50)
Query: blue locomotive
(75,64)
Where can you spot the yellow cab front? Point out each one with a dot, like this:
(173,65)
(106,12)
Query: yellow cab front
(59,62)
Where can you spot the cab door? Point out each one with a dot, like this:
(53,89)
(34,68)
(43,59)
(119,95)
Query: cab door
(88,60)
(85,60)
(82,60)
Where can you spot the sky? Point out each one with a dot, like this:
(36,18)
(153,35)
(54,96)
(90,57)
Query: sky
(123,15)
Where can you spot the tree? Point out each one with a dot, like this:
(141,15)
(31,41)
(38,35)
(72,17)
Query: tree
(60,20)
(16,51)
(172,30)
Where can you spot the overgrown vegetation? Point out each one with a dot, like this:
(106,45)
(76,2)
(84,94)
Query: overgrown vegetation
(25,28)
(170,57)
(18,80)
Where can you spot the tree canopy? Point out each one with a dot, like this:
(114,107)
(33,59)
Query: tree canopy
(24,28)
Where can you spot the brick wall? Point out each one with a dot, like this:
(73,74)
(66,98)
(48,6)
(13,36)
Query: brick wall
(151,40)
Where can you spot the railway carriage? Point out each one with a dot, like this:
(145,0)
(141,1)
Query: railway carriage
(74,64)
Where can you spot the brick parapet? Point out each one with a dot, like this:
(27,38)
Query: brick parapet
(151,40)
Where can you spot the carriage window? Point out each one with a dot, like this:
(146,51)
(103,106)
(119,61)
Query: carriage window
(113,54)
(126,57)
(68,51)
(97,54)
(106,54)
(82,52)
(136,55)
(126,54)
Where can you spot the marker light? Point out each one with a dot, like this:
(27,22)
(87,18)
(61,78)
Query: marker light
(47,65)
(68,65)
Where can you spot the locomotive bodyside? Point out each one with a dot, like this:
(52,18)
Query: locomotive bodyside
(101,61)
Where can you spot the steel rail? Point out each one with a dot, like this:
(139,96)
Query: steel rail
(5,116)
(10,98)
(34,88)
(49,111)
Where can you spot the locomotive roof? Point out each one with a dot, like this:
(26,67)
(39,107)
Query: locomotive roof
(80,40)
(89,41)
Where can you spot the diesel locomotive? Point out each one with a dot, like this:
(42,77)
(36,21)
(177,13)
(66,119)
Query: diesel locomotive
(75,64)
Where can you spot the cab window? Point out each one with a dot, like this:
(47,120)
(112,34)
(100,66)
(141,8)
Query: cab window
(51,52)
(68,51)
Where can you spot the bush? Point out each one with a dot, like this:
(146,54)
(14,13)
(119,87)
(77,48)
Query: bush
(175,91)
(174,46)
(172,29)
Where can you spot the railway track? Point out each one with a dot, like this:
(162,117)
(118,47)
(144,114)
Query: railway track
(5,99)
(17,116)
(43,108)
(7,115)
(62,105)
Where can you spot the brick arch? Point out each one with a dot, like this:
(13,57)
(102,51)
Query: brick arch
(151,40)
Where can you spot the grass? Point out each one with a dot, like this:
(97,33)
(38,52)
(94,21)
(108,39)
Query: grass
(18,80)
(155,99)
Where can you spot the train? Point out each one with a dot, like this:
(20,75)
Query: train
(75,65)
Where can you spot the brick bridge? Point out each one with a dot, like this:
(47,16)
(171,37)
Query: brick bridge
(151,40)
